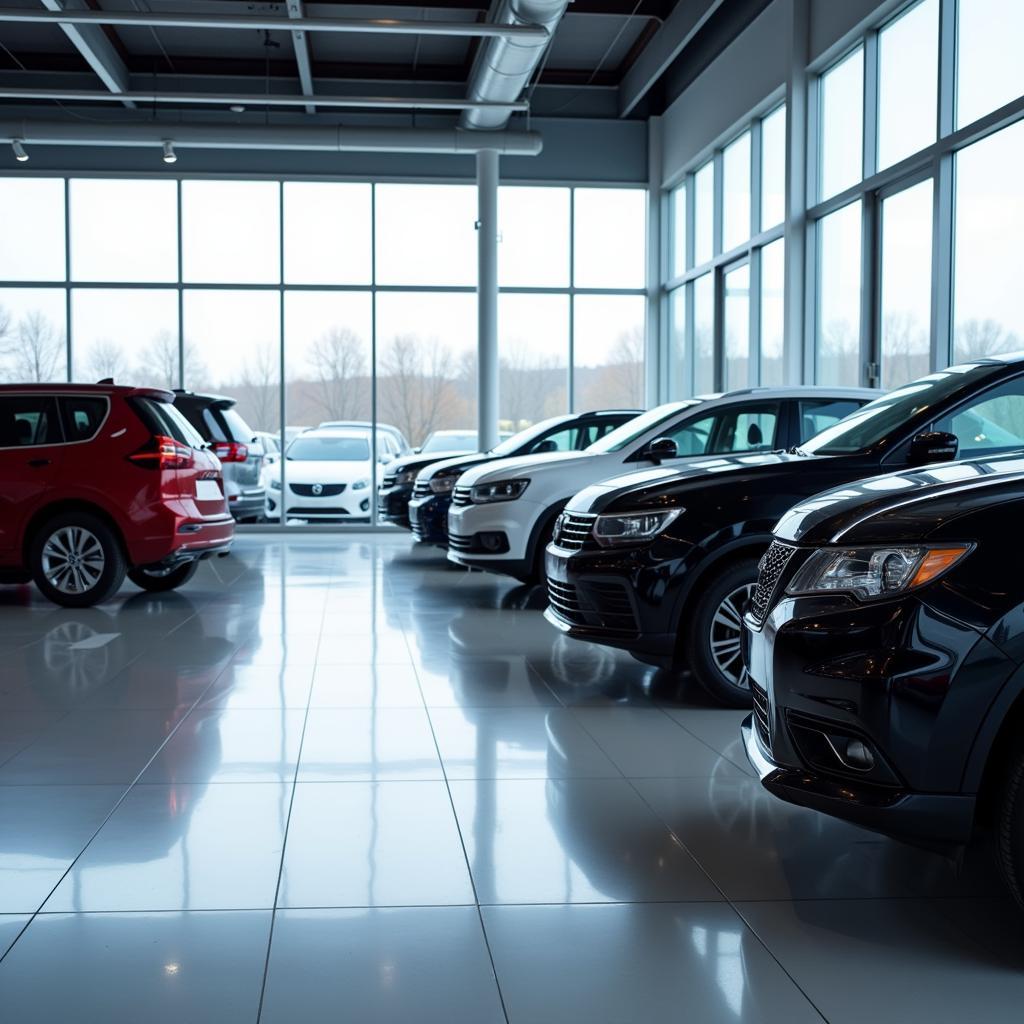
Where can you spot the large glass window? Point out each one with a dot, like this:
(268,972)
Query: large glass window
(533,358)
(32,238)
(608,351)
(231,232)
(610,243)
(773,273)
(990,72)
(33,335)
(124,230)
(704,334)
(704,214)
(736,192)
(527,215)
(129,334)
(837,333)
(677,211)
(327,232)
(841,125)
(679,361)
(906,284)
(773,168)
(736,326)
(908,81)
(988,305)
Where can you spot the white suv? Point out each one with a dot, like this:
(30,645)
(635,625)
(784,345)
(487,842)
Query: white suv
(503,512)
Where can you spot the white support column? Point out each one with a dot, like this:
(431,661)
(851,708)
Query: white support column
(656,349)
(487,297)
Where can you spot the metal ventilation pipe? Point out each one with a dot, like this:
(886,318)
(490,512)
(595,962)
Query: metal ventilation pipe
(503,65)
(325,138)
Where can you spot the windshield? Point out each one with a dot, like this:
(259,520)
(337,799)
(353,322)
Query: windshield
(329,449)
(625,435)
(450,443)
(878,419)
(512,444)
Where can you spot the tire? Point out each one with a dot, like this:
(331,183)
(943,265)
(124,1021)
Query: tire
(158,582)
(1010,836)
(713,644)
(77,560)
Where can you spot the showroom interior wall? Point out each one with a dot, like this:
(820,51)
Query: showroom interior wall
(361,293)
(891,255)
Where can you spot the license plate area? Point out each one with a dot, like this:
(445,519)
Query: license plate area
(208,490)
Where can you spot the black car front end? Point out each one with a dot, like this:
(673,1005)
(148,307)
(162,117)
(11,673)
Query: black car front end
(428,515)
(394,493)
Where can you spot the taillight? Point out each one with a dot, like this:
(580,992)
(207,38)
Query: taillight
(230,451)
(161,452)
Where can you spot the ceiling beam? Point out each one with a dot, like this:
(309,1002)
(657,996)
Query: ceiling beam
(351,26)
(685,21)
(301,44)
(92,43)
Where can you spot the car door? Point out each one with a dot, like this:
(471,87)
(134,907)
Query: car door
(30,459)
(990,423)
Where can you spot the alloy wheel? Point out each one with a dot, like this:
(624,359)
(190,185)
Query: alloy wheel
(73,560)
(726,635)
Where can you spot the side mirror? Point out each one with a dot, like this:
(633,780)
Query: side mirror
(543,447)
(933,446)
(417,450)
(270,459)
(661,448)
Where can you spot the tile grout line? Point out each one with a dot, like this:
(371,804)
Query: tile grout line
(462,841)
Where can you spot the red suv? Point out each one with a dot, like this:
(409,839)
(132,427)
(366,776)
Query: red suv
(98,482)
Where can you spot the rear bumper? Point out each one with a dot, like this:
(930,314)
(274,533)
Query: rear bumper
(928,817)
(247,503)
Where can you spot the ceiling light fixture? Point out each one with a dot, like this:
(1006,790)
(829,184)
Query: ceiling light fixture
(19,151)
(170,156)
(236,108)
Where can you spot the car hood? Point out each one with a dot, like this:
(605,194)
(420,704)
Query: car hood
(460,463)
(664,485)
(318,472)
(529,465)
(405,463)
(904,506)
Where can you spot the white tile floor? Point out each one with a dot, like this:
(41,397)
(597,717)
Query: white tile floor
(335,780)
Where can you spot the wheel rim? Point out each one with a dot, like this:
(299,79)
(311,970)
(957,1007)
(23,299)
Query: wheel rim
(726,637)
(73,560)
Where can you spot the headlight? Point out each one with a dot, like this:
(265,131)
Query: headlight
(629,529)
(407,476)
(503,490)
(873,572)
(275,485)
(444,484)
(361,485)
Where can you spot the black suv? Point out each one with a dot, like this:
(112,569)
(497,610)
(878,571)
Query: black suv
(235,443)
(885,646)
(663,562)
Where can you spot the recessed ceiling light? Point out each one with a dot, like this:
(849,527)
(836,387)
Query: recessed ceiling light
(236,108)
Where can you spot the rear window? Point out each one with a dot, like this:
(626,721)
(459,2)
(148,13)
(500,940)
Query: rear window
(82,415)
(164,418)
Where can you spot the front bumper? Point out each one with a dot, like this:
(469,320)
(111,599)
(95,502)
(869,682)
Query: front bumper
(393,504)
(908,682)
(428,518)
(349,505)
(510,523)
(609,597)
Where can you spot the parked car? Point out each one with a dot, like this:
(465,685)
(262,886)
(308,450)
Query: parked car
(327,475)
(432,492)
(235,443)
(502,514)
(271,445)
(100,482)
(396,485)
(885,646)
(662,563)
(382,428)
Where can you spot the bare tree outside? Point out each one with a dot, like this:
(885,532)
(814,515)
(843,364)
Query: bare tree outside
(257,389)
(838,354)
(338,360)
(106,360)
(34,351)
(906,350)
(977,338)
(531,385)
(619,383)
(416,385)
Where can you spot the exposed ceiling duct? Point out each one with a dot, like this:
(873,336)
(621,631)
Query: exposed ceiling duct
(330,139)
(504,64)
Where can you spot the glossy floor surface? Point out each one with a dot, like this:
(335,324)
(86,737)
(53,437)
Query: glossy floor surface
(335,780)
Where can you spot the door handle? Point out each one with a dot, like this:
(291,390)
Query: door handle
(37,463)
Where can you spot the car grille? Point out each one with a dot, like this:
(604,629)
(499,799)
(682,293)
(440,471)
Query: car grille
(421,490)
(320,510)
(460,542)
(326,491)
(771,568)
(762,719)
(573,530)
(416,527)
(605,605)
(389,480)
(461,496)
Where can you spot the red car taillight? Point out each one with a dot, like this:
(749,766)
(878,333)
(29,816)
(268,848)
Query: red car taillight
(230,451)
(161,452)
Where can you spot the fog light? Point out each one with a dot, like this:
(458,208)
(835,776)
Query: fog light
(271,504)
(858,756)
(365,505)
(492,542)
